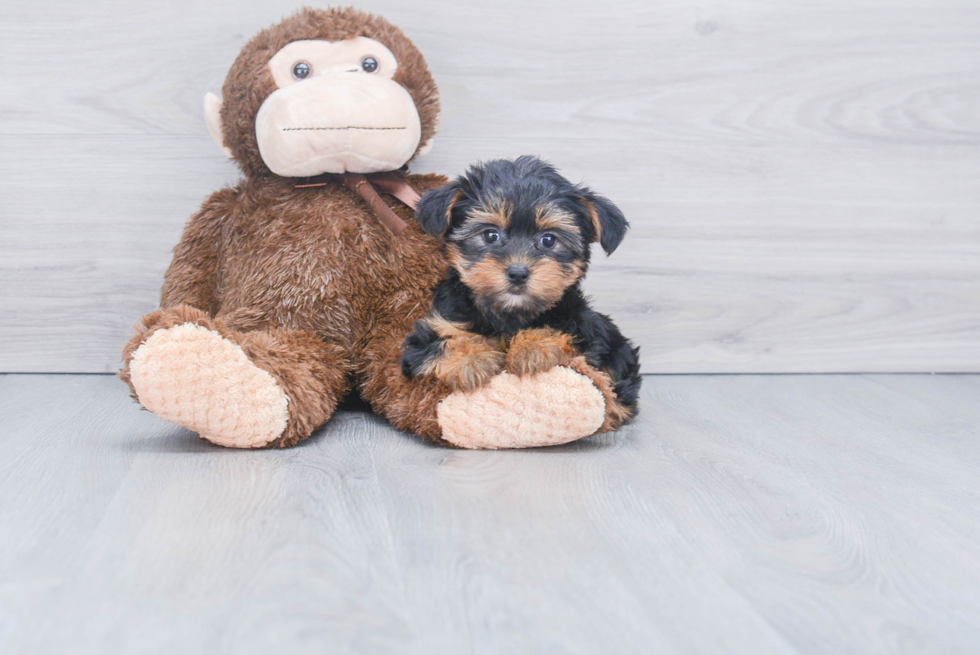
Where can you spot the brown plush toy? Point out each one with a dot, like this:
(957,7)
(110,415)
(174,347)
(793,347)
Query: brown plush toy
(298,285)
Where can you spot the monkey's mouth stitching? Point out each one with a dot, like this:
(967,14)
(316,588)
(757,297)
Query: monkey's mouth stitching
(349,127)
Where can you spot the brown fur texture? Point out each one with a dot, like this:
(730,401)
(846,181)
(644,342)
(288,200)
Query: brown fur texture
(549,279)
(596,224)
(549,218)
(494,213)
(313,287)
(538,349)
(488,277)
(485,277)
(467,361)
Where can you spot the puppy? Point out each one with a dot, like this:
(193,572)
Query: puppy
(517,240)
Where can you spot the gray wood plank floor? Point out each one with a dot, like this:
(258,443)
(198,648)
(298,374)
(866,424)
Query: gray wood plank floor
(744,514)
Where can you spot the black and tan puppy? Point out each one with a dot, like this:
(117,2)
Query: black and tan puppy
(517,240)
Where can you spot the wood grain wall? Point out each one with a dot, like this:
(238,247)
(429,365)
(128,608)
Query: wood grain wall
(803,178)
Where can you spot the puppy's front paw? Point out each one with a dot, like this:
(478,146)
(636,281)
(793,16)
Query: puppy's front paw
(538,350)
(467,363)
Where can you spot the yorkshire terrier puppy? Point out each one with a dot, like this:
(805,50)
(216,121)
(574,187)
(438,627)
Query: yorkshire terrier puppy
(517,238)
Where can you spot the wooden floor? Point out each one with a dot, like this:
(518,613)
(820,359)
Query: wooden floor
(743,514)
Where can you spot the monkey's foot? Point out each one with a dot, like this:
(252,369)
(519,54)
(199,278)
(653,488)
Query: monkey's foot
(194,377)
(547,409)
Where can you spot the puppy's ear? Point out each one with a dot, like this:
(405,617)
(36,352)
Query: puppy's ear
(434,212)
(608,223)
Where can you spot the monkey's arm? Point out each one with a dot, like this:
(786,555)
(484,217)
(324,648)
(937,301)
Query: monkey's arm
(192,278)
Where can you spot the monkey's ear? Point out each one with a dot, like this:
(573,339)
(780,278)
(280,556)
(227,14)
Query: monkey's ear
(434,212)
(425,149)
(212,116)
(608,223)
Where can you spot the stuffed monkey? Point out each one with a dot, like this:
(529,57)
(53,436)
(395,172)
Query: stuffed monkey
(298,285)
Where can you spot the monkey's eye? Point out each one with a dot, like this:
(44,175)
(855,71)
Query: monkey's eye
(548,241)
(301,70)
(491,236)
(369,64)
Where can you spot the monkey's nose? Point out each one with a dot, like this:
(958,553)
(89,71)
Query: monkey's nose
(518,273)
(339,68)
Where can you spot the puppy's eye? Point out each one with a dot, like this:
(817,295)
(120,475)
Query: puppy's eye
(301,70)
(491,236)
(369,64)
(548,241)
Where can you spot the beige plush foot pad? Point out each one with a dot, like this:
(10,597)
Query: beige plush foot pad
(547,409)
(194,377)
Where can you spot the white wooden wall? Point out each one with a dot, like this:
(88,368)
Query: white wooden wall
(803,178)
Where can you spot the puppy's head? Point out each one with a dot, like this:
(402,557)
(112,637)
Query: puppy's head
(518,233)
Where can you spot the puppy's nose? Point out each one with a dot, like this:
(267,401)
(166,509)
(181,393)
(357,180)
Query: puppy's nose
(518,273)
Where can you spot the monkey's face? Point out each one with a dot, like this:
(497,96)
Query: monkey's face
(336,109)
(325,91)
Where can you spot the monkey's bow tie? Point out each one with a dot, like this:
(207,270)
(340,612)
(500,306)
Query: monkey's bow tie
(363,185)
